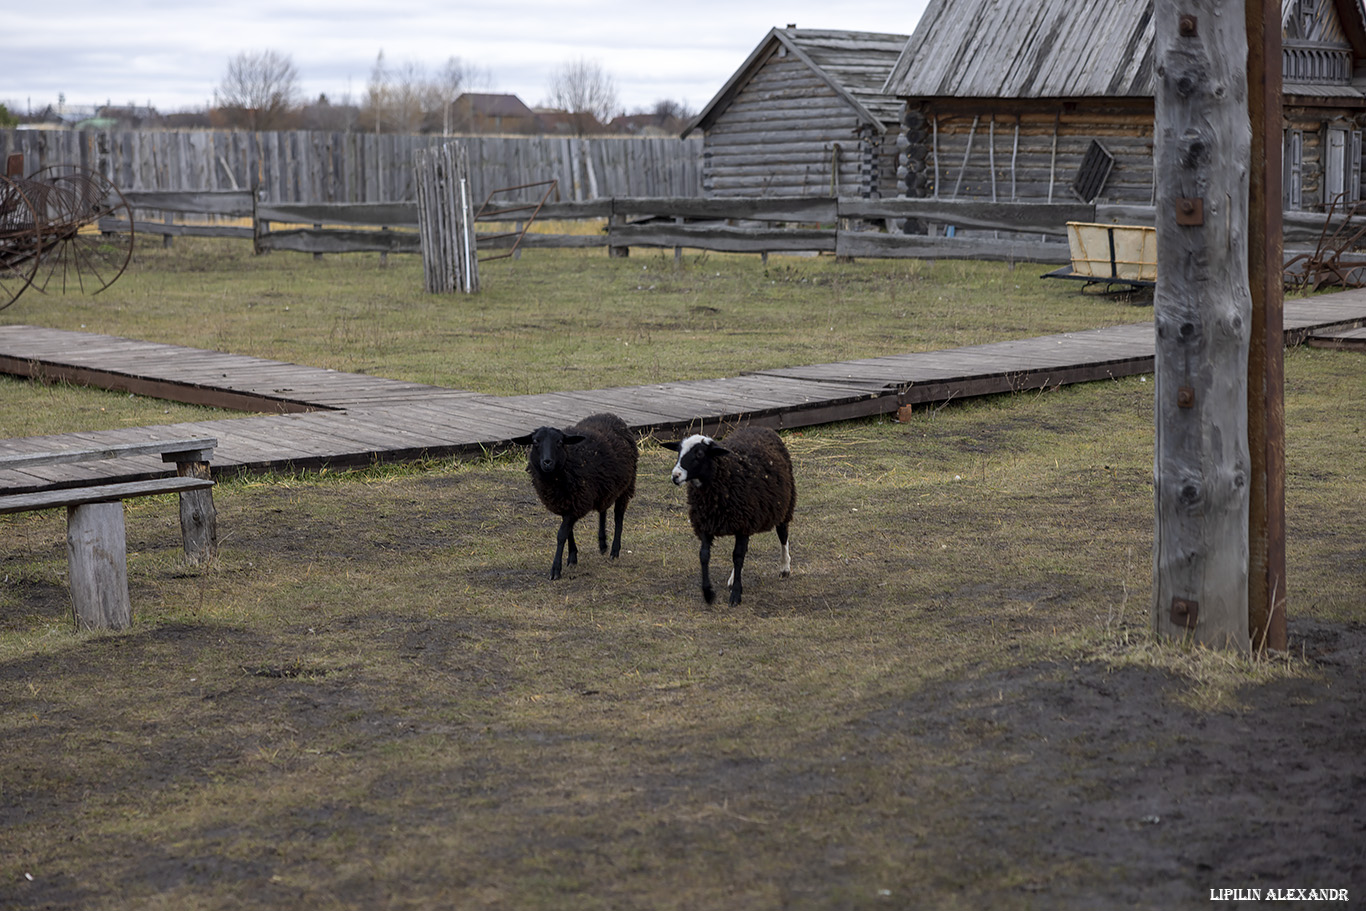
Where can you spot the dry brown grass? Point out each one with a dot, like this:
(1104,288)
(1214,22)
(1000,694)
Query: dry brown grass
(376,698)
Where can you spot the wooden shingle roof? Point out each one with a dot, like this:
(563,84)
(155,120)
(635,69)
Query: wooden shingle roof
(1054,48)
(1028,49)
(854,64)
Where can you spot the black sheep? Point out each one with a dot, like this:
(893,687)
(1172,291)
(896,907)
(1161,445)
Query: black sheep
(589,466)
(742,488)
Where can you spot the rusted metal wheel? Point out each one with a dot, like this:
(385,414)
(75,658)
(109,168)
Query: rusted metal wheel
(20,242)
(70,202)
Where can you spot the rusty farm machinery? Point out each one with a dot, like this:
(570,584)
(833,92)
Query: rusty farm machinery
(50,235)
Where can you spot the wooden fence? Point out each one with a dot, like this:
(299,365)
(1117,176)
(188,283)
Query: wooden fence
(315,167)
(851,227)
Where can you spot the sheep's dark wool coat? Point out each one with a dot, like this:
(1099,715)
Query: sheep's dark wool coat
(594,474)
(748,491)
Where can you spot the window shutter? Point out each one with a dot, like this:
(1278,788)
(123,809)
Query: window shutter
(1293,169)
(1335,173)
(1354,166)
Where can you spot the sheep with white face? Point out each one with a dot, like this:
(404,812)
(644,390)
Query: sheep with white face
(742,486)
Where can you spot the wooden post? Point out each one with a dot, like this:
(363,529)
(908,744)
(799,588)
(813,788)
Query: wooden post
(198,516)
(1202,311)
(1266,356)
(97,559)
(612,251)
(256,228)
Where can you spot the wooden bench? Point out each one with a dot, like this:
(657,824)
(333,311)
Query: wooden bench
(96,544)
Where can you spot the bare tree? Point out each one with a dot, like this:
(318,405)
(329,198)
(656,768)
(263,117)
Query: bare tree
(455,79)
(410,96)
(668,109)
(403,98)
(584,89)
(259,90)
(458,77)
(376,95)
(672,115)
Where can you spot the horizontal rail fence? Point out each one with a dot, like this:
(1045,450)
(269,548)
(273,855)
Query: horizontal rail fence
(844,226)
(316,167)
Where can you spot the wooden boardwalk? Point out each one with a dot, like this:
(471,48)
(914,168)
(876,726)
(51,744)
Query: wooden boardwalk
(315,418)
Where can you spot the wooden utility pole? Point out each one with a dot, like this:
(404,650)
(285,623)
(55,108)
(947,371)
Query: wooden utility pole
(1266,361)
(1203,313)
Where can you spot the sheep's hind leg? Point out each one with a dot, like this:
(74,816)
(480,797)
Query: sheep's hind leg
(704,557)
(787,554)
(602,532)
(619,515)
(737,586)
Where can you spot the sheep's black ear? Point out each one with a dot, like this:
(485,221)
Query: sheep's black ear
(521,441)
(717,450)
(572,438)
(675,445)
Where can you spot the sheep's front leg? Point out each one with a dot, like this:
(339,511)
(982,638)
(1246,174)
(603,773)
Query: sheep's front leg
(704,556)
(738,558)
(619,516)
(565,535)
(602,531)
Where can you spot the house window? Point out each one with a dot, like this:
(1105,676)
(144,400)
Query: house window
(1341,166)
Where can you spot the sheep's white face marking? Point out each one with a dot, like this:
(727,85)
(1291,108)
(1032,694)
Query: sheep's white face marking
(680,474)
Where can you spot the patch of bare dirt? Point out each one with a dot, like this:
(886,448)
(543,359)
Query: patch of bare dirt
(1158,803)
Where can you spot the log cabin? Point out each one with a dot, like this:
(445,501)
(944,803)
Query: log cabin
(804,116)
(1052,101)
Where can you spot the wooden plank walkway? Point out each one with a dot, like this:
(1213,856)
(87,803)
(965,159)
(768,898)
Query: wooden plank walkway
(317,417)
(193,375)
(1347,339)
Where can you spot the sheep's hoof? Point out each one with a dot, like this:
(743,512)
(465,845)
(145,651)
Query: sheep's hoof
(554,573)
(709,594)
(787,573)
(734,598)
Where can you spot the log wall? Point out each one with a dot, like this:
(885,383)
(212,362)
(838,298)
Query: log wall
(779,137)
(1029,151)
(1013,153)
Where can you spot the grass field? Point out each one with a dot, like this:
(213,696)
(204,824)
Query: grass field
(376,698)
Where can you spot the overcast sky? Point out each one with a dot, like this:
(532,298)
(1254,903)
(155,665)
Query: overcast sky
(174,54)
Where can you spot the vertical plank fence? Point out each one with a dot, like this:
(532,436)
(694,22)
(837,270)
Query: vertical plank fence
(317,167)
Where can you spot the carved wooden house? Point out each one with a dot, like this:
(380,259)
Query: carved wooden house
(805,115)
(1046,100)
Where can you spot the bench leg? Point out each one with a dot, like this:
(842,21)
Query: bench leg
(198,517)
(97,557)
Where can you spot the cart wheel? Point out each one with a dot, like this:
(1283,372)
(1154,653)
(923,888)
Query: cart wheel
(77,252)
(20,242)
